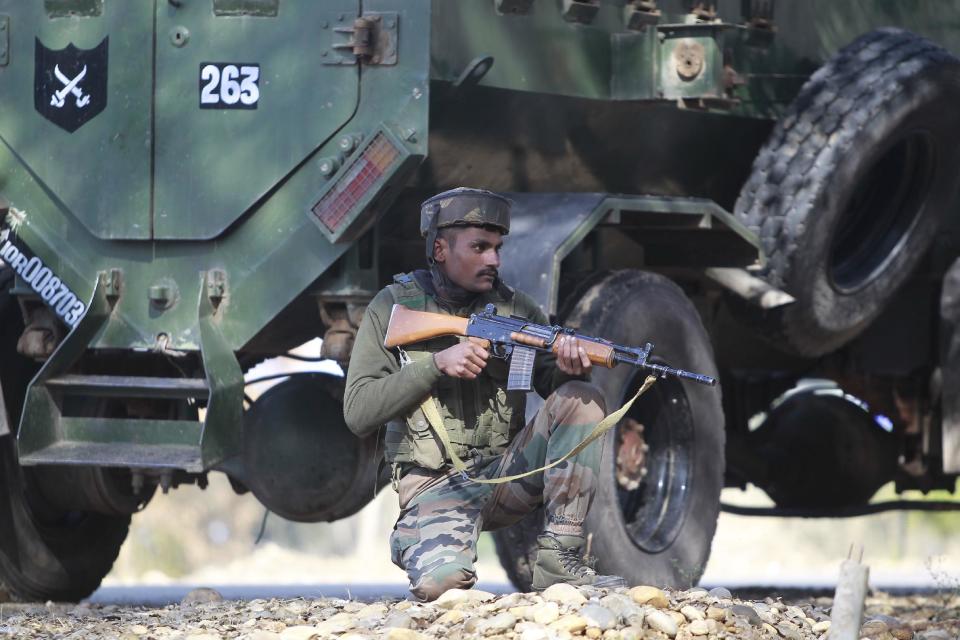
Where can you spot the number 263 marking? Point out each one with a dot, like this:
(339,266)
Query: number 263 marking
(229,86)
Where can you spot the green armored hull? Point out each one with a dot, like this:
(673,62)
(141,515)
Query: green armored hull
(188,188)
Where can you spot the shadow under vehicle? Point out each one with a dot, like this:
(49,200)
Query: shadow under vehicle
(764,190)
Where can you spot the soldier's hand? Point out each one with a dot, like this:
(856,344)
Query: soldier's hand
(571,357)
(464,360)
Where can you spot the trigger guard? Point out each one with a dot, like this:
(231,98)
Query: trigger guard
(502,351)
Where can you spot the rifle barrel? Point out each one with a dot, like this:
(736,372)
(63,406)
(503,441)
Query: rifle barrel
(664,371)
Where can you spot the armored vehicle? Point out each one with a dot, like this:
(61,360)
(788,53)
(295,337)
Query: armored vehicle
(763,190)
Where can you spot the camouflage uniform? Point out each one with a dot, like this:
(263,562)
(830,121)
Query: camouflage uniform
(442,513)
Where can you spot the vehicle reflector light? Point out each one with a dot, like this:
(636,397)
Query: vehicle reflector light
(374,161)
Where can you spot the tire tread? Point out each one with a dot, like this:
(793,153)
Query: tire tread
(856,88)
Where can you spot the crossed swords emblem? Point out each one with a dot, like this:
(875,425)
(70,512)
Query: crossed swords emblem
(70,86)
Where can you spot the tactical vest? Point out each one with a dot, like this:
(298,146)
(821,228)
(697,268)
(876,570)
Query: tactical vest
(480,415)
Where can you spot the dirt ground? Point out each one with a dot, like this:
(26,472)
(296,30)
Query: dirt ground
(560,613)
(214,537)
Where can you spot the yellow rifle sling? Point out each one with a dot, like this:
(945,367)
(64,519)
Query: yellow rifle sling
(429,407)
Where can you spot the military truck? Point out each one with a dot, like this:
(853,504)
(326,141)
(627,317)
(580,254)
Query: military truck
(765,191)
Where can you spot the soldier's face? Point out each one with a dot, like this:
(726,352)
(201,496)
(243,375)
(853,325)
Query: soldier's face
(470,257)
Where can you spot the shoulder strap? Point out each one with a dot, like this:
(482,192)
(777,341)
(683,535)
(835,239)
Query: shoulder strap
(407,291)
(505,291)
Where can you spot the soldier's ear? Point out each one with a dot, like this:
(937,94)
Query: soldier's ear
(440,249)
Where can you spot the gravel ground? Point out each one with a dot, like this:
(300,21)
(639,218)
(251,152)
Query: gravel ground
(561,612)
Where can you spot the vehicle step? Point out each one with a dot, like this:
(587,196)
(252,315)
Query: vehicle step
(122,442)
(129,386)
(104,454)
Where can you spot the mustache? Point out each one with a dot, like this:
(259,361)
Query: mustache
(488,272)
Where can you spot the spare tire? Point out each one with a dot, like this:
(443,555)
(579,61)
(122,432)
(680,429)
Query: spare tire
(851,186)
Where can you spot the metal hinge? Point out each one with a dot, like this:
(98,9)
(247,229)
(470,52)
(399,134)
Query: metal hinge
(759,14)
(582,11)
(704,11)
(372,39)
(639,14)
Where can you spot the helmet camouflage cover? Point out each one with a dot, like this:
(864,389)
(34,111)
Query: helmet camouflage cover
(462,207)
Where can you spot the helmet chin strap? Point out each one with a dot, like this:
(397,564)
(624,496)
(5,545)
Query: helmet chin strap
(431,241)
(431,237)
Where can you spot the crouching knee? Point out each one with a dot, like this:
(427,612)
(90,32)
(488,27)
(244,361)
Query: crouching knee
(433,583)
(581,399)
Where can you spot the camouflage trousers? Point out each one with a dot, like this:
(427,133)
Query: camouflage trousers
(442,514)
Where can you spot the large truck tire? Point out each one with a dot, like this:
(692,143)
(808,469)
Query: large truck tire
(45,554)
(655,511)
(852,185)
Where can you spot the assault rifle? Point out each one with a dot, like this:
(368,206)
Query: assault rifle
(519,339)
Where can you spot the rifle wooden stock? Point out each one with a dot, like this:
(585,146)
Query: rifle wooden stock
(407,326)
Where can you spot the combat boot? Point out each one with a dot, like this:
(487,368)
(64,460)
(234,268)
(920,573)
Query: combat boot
(559,559)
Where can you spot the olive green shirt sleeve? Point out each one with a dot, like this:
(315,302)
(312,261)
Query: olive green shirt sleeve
(547,377)
(378,390)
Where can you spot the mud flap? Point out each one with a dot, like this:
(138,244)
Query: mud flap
(544,227)
(950,364)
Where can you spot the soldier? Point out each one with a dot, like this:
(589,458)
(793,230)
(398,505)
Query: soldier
(442,513)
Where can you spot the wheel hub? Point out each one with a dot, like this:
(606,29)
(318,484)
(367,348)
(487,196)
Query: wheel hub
(654,464)
(631,455)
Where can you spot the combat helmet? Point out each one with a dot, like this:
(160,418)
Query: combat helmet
(462,207)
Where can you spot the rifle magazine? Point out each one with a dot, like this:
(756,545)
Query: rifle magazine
(521,369)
